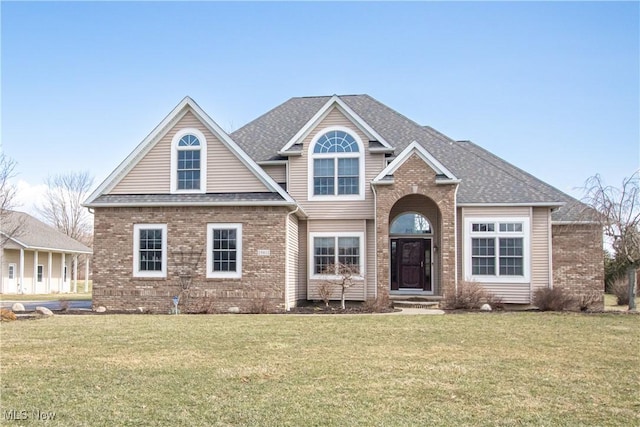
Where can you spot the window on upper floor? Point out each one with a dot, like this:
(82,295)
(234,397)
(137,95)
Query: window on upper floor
(188,162)
(336,166)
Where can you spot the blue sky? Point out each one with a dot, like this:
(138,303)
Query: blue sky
(554,88)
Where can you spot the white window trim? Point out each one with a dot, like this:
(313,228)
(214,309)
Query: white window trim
(39,268)
(224,274)
(361,166)
(12,265)
(136,251)
(312,236)
(203,160)
(526,247)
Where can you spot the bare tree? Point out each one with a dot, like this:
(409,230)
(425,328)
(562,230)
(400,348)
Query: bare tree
(346,275)
(619,210)
(62,204)
(9,224)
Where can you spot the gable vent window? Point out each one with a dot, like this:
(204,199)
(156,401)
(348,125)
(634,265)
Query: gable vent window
(336,164)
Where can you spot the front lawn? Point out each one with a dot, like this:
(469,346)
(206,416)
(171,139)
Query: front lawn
(205,370)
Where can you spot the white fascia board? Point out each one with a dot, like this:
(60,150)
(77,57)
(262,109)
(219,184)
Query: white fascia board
(14,240)
(240,153)
(132,159)
(322,113)
(414,147)
(574,223)
(272,162)
(58,250)
(178,112)
(534,204)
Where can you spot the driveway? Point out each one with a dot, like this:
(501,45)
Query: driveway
(51,305)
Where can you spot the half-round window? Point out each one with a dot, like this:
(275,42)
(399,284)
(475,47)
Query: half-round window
(336,141)
(410,223)
(189,141)
(337,164)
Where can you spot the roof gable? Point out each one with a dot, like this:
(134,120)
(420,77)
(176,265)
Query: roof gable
(185,106)
(321,114)
(422,153)
(27,232)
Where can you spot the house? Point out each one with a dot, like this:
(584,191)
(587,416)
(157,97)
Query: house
(263,215)
(37,258)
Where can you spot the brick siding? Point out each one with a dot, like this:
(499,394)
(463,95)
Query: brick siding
(262,286)
(578,262)
(414,176)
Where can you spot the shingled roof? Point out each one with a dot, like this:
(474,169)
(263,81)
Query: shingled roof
(485,178)
(27,232)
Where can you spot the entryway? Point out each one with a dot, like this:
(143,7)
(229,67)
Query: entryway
(411,264)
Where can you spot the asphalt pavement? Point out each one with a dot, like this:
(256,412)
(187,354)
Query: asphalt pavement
(51,305)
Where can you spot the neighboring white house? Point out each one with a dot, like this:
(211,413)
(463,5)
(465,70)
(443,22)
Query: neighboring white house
(36,258)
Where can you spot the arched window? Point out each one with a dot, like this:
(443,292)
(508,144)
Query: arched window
(410,223)
(336,165)
(188,161)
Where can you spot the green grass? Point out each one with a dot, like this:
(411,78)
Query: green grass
(611,303)
(265,370)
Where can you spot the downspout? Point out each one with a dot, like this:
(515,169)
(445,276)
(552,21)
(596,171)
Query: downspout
(455,237)
(375,241)
(287,266)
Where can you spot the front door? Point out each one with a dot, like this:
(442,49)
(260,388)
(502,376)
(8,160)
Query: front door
(411,264)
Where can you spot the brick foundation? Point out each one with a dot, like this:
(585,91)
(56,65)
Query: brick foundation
(261,288)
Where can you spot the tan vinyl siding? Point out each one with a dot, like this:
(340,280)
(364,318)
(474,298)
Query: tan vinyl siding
(511,293)
(277,172)
(298,177)
(497,211)
(337,226)
(225,172)
(370,249)
(292,260)
(302,260)
(354,293)
(540,249)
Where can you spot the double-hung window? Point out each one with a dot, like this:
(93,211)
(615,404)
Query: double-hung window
(329,251)
(497,249)
(189,162)
(224,250)
(150,250)
(336,165)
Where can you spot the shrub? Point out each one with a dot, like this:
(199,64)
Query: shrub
(620,288)
(325,289)
(7,315)
(261,306)
(553,299)
(589,301)
(469,296)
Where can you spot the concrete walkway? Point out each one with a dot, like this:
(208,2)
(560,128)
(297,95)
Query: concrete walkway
(415,311)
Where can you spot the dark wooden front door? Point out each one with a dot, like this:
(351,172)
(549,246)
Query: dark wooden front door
(411,264)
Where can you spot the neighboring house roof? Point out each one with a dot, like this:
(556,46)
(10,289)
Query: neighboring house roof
(187,104)
(27,232)
(485,178)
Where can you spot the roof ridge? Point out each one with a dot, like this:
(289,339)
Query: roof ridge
(260,116)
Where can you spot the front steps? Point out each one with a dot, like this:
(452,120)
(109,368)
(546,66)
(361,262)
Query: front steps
(413,301)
